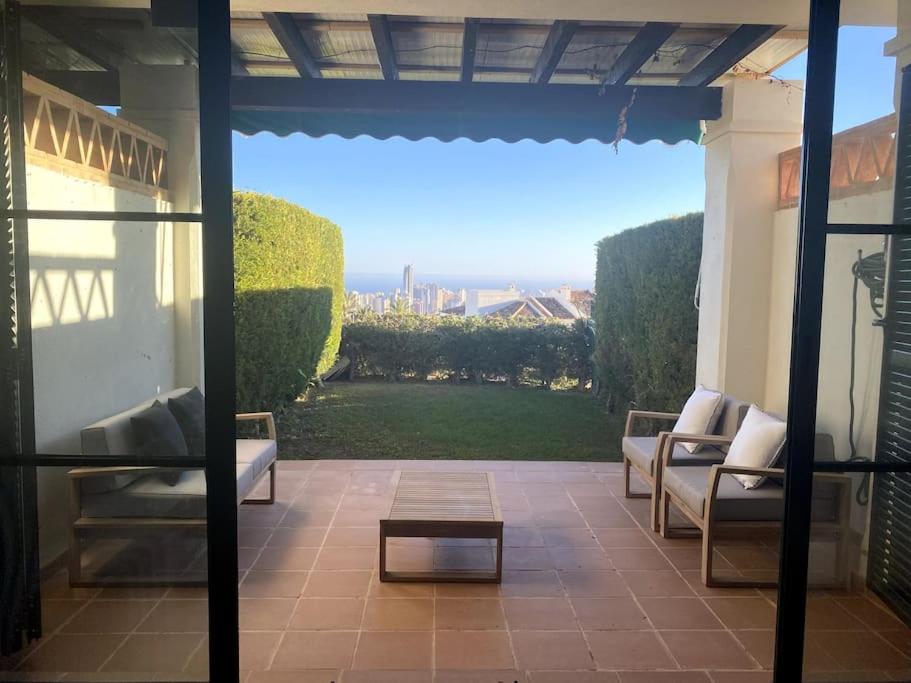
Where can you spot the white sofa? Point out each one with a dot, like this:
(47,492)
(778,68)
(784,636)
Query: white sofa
(123,501)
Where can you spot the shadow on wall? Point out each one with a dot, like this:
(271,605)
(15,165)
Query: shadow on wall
(281,335)
(103,322)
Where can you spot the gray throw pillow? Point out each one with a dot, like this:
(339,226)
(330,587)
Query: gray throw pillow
(157,434)
(190,412)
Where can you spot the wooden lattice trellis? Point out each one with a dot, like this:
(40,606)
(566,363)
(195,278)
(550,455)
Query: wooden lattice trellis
(70,135)
(863,161)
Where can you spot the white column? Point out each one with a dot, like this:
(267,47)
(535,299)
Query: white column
(760,119)
(165,100)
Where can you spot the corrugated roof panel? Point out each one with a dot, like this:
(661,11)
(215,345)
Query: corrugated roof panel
(428,48)
(684,50)
(342,47)
(257,44)
(516,50)
(53,54)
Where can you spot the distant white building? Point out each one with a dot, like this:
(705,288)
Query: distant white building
(477,301)
(511,303)
(408,283)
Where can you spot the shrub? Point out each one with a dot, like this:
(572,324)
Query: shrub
(465,348)
(645,350)
(289,298)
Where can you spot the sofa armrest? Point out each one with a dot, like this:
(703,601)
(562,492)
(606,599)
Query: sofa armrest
(671,439)
(633,415)
(268,418)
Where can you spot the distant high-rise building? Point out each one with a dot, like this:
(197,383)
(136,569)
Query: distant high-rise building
(408,283)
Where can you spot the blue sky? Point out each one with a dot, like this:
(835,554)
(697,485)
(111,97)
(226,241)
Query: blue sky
(518,211)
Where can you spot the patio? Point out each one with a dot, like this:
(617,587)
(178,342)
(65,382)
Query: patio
(586,588)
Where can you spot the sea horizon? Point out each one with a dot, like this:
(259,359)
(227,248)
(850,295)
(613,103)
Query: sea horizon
(368,283)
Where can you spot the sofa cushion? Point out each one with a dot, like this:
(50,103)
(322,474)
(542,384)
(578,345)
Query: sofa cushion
(735,503)
(257,452)
(157,433)
(699,415)
(758,444)
(150,496)
(733,410)
(189,410)
(114,435)
(640,450)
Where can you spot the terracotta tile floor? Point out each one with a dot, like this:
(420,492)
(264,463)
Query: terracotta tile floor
(589,596)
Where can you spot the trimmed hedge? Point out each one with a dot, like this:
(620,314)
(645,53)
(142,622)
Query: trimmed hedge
(289,298)
(466,348)
(645,350)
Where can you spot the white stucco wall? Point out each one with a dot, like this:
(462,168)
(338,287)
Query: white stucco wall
(832,415)
(760,119)
(102,319)
(834,380)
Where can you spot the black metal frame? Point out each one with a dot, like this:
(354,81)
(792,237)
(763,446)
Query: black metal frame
(813,230)
(216,179)
(218,344)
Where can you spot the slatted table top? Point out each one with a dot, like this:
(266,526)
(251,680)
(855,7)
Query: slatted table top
(445,497)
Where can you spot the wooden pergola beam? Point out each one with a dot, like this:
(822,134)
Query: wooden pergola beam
(646,43)
(385,48)
(558,39)
(735,47)
(469,47)
(503,99)
(289,37)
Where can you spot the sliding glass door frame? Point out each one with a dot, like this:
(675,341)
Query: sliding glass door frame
(214,22)
(814,229)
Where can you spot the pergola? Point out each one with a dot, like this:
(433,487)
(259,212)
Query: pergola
(442,77)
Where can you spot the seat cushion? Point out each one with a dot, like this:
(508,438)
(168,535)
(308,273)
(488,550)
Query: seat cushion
(152,496)
(734,503)
(257,452)
(640,450)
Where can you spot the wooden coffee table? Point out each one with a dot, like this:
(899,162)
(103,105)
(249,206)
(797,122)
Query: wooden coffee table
(443,505)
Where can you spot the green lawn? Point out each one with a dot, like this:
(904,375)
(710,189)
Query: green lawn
(384,420)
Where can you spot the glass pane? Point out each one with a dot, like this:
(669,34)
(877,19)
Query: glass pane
(851,341)
(116,312)
(118,601)
(110,108)
(863,144)
(858,607)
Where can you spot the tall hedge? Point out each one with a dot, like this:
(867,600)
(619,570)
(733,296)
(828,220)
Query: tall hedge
(645,350)
(289,298)
(467,348)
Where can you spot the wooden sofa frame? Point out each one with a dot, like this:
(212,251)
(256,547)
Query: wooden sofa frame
(707,526)
(78,523)
(654,480)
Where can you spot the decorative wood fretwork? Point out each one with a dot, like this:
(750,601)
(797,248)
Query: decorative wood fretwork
(72,136)
(863,161)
